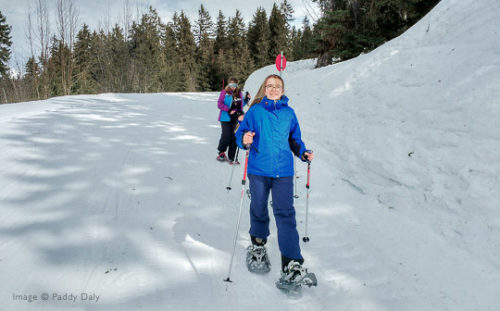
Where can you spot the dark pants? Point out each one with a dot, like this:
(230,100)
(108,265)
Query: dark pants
(284,213)
(227,139)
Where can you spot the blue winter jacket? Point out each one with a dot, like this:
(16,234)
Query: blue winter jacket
(277,134)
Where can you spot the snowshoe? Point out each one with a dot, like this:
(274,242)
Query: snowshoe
(294,277)
(257,259)
(221,157)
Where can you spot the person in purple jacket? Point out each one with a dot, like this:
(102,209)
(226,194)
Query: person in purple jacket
(231,104)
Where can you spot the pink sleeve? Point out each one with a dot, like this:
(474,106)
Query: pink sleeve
(220,102)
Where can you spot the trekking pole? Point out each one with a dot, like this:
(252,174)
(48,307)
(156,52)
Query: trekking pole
(306,238)
(243,182)
(232,170)
(294,179)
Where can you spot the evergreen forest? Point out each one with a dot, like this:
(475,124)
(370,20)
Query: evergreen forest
(151,53)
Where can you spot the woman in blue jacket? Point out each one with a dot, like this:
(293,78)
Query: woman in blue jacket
(231,104)
(271,128)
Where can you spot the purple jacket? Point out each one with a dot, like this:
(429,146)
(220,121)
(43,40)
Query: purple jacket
(224,103)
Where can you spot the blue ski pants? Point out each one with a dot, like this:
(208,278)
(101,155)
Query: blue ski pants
(284,212)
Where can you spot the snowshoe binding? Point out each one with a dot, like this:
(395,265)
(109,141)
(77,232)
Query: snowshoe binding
(257,259)
(294,277)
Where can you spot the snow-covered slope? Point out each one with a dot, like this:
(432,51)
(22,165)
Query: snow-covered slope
(414,126)
(119,195)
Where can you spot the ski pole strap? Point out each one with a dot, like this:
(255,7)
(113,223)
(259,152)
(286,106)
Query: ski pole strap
(248,147)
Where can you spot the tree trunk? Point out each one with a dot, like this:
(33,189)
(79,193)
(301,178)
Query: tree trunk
(324,59)
(5,101)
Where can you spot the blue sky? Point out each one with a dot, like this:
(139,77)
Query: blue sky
(101,13)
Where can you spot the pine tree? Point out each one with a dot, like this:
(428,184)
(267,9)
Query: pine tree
(350,27)
(296,51)
(307,40)
(204,52)
(5,43)
(328,30)
(222,68)
(83,83)
(278,33)
(204,26)
(186,49)
(57,67)
(107,63)
(97,63)
(221,35)
(145,51)
(241,64)
(32,77)
(171,77)
(119,58)
(258,38)
(419,9)
(287,11)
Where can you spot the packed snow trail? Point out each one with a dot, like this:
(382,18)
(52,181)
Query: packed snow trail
(120,196)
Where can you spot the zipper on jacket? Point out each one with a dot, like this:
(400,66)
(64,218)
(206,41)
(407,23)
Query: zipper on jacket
(277,164)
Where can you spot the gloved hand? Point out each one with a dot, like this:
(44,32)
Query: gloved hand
(308,155)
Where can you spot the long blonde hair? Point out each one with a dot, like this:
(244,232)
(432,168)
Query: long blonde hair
(262,90)
(262,93)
